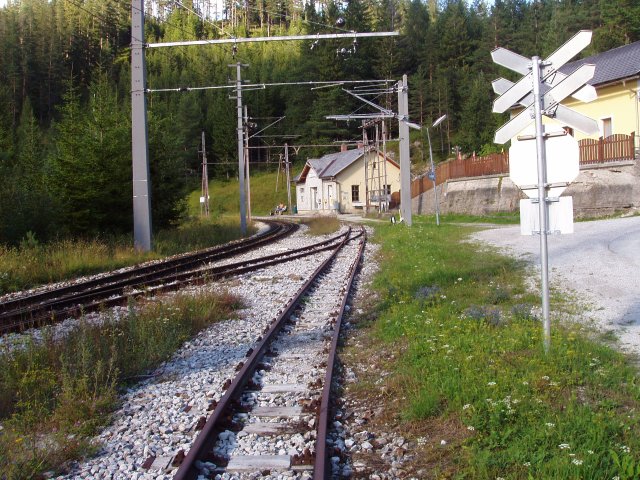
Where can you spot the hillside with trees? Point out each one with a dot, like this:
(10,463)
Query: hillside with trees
(65,147)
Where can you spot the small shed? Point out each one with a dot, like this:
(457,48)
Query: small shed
(342,182)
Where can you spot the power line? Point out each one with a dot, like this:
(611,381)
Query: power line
(254,85)
(289,17)
(201,17)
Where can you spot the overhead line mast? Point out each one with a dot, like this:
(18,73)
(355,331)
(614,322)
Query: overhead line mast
(139,135)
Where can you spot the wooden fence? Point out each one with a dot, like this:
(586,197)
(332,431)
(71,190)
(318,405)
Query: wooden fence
(614,148)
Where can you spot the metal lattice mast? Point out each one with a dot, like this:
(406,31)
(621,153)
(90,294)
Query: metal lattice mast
(384,155)
(367,169)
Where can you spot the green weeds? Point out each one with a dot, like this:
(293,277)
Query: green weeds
(54,395)
(33,263)
(322,225)
(470,366)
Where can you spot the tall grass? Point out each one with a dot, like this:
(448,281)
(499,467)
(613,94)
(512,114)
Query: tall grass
(470,367)
(33,264)
(321,225)
(55,394)
(225,198)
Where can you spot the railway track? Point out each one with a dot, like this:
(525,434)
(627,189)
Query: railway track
(274,415)
(49,306)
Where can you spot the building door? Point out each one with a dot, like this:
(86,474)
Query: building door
(314,198)
(330,195)
(607,127)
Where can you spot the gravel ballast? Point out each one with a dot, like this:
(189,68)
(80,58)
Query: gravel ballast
(600,262)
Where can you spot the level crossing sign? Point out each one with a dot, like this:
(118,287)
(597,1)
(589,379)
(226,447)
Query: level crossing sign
(559,87)
(539,92)
(563,161)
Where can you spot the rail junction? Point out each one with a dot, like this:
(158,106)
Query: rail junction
(271,415)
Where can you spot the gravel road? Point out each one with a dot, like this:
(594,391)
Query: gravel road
(600,262)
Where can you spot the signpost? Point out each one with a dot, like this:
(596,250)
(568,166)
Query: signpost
(540,92)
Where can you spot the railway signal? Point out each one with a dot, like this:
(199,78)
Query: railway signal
(540,92)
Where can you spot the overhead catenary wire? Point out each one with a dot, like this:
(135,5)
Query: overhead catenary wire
(256,85)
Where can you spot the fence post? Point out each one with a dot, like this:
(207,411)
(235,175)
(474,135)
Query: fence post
(600,150)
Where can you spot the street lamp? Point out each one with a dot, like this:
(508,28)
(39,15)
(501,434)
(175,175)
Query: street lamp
(432,173)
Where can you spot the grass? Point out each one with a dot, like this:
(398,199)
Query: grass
(225,198)
(321,225)
(55,395)
(456,329)
(34,264)
(500,218)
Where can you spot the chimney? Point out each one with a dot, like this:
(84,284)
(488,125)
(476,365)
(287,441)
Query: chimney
(343,147)
(360,145)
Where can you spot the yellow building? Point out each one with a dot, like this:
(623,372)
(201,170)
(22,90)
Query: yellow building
(342,182)
(617,82)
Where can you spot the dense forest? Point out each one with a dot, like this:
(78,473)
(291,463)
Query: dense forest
(65,147)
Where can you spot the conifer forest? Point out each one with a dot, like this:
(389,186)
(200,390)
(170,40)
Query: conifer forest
(65,89)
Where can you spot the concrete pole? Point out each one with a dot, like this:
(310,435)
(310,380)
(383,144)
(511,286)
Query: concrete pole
(139,133)
(405,160)
(543,207)
(240,131)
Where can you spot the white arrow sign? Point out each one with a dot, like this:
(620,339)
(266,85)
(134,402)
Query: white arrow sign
(562,114)
(514,126)
(511,60)
(512,96)
(563,87)
(568,85)
(566,52)
(549,73)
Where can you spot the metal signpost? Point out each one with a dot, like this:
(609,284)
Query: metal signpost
(546,182)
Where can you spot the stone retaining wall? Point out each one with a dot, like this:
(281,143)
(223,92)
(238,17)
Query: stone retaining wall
(597,192)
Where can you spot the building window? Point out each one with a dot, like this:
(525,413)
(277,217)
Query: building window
(607,127)
(301,195)
(355,193)
(387,189)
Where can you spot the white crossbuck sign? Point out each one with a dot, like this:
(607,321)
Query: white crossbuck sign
(559,87)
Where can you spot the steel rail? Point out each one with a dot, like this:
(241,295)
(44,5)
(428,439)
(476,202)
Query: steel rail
(206,439)
(321,468)
(277,230)
(116,294)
